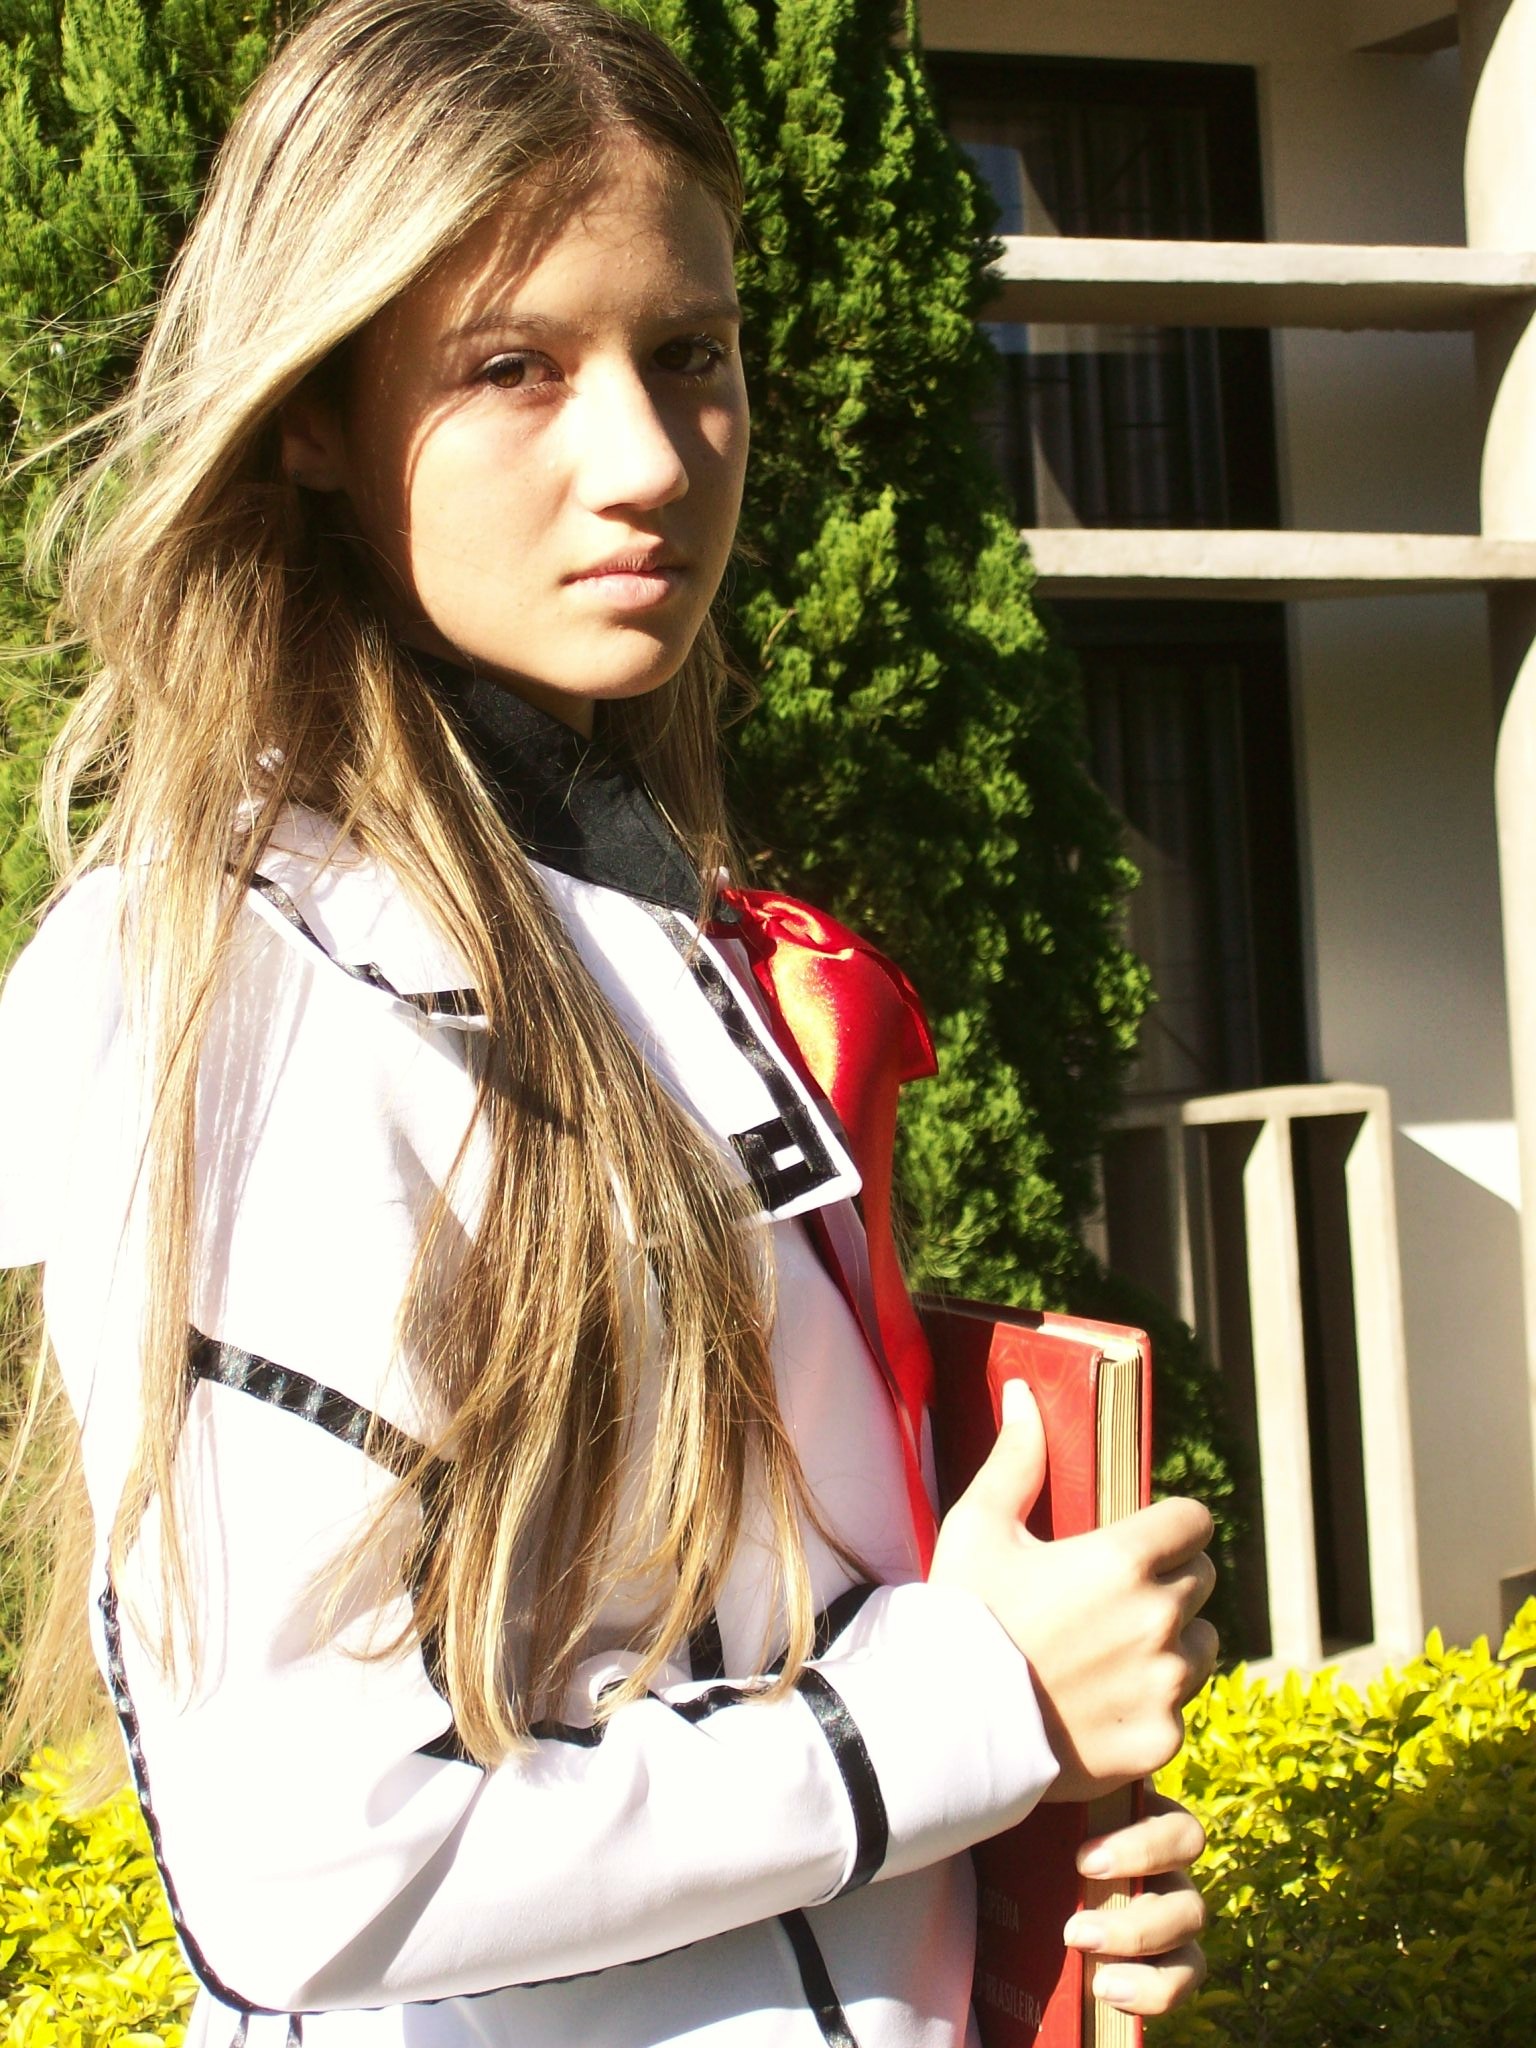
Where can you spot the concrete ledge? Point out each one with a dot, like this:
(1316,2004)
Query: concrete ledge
(1297,1099)
(1400,28)
(1249,1303)
(1159,562)
(1082,280)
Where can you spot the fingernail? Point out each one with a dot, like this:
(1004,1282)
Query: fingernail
(1096,1863)
(1017,1400)
(1114,1985)
(1083,1930)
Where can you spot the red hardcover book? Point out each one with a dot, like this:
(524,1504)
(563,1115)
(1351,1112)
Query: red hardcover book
(1093,1383)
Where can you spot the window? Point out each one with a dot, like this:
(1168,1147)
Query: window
(1189,724)
(1129,426)
(1122,426)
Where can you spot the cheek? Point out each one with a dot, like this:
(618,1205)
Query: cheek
(472,497)
(727,434)
(380,443)
(733,430)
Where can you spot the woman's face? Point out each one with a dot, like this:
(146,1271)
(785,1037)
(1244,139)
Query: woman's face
(543,440)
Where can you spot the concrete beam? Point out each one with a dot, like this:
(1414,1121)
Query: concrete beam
(1295,1100)
(1399,28)
(1157,562)
(1080,280)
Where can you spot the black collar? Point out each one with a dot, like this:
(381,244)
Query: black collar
(572,805)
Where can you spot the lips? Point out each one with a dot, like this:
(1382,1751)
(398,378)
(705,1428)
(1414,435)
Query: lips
(634,580)
(632,562)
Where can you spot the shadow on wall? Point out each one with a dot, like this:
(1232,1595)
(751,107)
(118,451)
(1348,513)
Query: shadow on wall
(1468,1388)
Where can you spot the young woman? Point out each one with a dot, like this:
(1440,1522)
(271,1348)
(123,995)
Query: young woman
(507,1490)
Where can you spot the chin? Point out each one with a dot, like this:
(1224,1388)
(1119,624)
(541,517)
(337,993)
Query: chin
(637,679)
(639,686)
(602,674)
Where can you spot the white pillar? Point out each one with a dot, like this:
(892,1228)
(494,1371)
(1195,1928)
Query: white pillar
(1280,1398)
(1498,41)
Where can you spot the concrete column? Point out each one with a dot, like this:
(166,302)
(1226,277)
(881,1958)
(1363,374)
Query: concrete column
(1280,1397)
(1498,42)
(1381,1351)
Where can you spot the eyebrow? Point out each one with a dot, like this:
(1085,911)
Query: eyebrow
(696,312)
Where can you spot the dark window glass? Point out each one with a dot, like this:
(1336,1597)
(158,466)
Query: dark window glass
(1113,426)
(1189,724)
(1121,426)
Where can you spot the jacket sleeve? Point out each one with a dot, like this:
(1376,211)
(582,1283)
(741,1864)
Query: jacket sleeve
(60,1015)
(324,1845)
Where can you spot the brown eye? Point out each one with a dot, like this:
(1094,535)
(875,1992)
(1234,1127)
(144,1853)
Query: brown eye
(516,372)
(693,355)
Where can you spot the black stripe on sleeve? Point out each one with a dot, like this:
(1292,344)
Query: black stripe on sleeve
(569,1731)
(128,1721)
(716,1700)
(816,1981)
(838,1614)
(296,1394)
(226,1365)
(707,1657)
(872,1827)
(449,1748)
(871,1823)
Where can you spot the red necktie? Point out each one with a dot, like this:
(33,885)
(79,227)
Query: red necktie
(854,1024)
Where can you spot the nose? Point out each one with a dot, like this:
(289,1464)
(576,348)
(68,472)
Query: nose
(629,453)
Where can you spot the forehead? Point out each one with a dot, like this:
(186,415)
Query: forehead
(640,240)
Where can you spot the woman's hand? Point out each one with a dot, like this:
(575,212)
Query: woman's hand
(1146,1954)
(1107,1620)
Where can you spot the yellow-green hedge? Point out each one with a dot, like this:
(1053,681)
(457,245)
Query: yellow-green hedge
(1372,1864)
(88,1957)
(1371,1874)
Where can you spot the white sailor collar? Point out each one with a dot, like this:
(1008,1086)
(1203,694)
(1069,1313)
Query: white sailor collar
(688,1006)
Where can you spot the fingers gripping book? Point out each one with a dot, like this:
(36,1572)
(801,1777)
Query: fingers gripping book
(1092,1382)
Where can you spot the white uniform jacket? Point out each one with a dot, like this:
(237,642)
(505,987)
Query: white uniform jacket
(707,1868)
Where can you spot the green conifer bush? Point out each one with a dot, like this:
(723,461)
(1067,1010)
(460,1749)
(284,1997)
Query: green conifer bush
(916,761)
(109,111)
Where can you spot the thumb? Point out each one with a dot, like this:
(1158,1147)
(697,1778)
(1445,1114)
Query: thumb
(1010,1480)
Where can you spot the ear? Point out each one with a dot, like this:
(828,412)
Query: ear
(312,441)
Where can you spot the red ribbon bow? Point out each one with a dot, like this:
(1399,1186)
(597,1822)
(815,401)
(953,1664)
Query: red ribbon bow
(854,1025)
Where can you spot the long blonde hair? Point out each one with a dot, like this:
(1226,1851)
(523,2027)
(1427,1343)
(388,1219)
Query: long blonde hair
(239,668)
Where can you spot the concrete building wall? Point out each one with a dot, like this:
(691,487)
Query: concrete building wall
(1394,723)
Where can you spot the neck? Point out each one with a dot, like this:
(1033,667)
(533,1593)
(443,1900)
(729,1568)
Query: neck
(572,805)
(567,706)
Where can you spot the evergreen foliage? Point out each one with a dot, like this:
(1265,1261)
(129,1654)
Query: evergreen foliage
(916,759)
(109,111)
